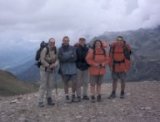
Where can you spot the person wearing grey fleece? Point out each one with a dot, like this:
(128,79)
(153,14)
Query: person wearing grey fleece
(68,70)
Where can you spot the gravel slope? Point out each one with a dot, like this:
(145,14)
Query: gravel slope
(142,104)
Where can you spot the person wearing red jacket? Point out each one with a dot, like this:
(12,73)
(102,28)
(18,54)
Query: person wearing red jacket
(97,58)
(119,64)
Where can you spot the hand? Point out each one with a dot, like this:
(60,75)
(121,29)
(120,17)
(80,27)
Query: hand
(103,64)
(52,66)
(97,65)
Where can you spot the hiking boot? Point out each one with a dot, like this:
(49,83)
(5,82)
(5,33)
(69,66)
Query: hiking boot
(67,99)
(122,95)
(85,98)
(99,98)
(112,96)
(73,98)
(93,99)
(78,99)
(50,102)
(41,104)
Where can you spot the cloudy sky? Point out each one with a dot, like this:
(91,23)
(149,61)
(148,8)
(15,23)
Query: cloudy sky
(34,20)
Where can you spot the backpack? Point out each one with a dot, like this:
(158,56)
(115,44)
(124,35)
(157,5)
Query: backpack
(127,52)
(120,53)
(38,53)
(94,53)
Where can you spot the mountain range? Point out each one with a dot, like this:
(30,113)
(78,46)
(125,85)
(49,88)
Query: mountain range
(145,45)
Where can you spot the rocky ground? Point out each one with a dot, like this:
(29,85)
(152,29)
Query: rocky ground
(142,104)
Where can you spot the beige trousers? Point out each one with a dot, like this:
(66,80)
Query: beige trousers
(46,85)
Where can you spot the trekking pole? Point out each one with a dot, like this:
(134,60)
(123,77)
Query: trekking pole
(56,86)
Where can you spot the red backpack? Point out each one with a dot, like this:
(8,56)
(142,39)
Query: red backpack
(120,52)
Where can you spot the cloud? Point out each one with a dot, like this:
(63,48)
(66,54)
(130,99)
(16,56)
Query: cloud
(41,19)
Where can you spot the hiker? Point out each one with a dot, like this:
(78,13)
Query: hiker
(119,64)
(68,71)
(82,65)
(97,58)
(49,62)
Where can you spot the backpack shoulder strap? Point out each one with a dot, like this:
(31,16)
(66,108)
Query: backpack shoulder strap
(55,50)
(124,45)
(94,53)
(47,50)
(112,49)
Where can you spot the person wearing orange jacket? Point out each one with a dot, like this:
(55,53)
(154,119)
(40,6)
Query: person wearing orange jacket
(97,58)
(120,63)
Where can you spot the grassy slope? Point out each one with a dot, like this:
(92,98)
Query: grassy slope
(10,85)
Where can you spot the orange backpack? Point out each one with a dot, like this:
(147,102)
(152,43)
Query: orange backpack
(120,52)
